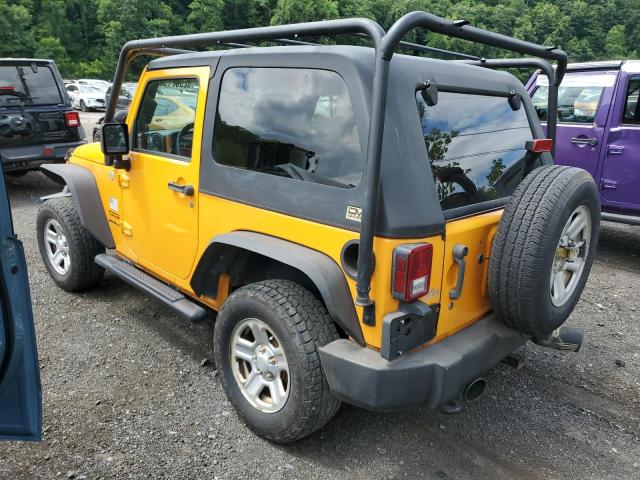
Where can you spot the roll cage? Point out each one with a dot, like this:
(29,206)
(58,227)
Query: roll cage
(385,45)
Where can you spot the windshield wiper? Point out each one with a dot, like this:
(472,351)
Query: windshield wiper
(23,80)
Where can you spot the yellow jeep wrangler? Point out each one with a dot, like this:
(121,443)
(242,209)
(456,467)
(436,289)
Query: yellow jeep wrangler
(370,227)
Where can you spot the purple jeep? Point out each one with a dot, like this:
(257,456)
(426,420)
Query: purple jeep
(599,129)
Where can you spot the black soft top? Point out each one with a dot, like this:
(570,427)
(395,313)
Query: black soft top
(410,206)
(360,56)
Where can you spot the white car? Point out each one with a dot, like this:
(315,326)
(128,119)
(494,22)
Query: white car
(102,84)
(86,97)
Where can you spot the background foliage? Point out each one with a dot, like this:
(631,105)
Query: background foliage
(85,36)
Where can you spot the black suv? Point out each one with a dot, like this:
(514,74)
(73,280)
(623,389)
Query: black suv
(37,123)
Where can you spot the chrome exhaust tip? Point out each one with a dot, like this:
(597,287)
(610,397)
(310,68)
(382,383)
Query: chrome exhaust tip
(471,392)
(474,390)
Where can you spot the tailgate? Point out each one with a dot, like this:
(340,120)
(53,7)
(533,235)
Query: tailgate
(26,126)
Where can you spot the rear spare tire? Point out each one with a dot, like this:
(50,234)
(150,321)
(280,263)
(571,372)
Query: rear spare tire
(543,250)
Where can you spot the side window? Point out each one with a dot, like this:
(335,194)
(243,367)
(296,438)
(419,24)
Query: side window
(295,123)
(578,96)
(166,117)
(475,145)
(631,105)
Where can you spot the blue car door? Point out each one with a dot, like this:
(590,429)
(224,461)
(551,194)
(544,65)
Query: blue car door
(20,392)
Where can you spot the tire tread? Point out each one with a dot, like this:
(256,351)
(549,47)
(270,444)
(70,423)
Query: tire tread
(313,327)
(522,243)
(83,247)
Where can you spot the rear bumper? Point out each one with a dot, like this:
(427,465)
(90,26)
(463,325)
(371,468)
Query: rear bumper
(431,377)
(31,157)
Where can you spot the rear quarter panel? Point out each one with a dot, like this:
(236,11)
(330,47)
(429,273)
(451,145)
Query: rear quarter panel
(218,216)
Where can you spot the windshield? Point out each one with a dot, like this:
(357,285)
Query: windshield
(21,85)
(91,90)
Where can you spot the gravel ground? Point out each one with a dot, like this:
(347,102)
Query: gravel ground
(130,392)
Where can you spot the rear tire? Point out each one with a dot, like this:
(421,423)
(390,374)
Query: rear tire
(297,324)
(67,248)
(83,106)
(534,247)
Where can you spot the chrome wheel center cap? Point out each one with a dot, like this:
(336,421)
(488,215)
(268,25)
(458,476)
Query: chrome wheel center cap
(266,363)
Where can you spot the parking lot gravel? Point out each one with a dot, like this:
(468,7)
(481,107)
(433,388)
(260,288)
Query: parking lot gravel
(130,391)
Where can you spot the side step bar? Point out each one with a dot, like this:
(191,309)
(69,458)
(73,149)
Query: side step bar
(616,217)
(148,284)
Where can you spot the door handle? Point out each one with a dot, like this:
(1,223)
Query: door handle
(615,149)
(584,141)
(186,190)
(459,252)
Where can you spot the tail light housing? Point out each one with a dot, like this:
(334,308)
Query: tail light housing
(411,271)
(72,119)
(539,145)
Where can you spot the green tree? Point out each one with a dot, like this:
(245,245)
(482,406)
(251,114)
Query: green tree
(248,13)
(123,20)
(616,43)
(85,36)
(206,15)
(50,47)
(294,11)
(16,33)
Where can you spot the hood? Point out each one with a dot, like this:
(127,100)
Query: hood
(91,152)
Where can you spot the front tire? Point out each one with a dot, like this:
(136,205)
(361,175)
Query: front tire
(266,341)
(83,106)
(67,248)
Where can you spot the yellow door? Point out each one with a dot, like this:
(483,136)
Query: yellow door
(160,192)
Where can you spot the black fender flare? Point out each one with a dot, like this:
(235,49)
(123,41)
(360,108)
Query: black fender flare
(86,198)
(321,269)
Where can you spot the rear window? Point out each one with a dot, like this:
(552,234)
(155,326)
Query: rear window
(20,85)
(475,145)
(578,97)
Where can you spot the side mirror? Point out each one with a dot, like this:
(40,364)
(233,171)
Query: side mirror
(429,92)
(114,139)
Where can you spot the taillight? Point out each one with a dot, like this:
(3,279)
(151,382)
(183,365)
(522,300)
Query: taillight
(72,119)
(411,271)
(539,145)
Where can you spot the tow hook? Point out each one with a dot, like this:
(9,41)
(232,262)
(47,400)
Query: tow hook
(564,338)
